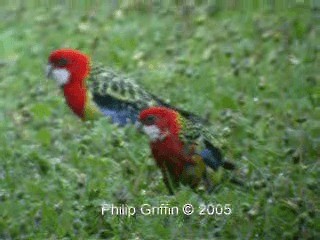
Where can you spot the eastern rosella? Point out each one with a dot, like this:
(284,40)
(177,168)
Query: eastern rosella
(91,90)
(183,150)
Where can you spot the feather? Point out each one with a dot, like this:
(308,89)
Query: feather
(121,98)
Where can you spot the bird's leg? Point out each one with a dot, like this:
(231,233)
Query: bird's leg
(207,182)
(167,180)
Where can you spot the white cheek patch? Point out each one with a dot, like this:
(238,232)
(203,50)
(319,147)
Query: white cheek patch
(61,75)
(153,132)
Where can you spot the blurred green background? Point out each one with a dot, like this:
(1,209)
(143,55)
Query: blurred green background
(252,67)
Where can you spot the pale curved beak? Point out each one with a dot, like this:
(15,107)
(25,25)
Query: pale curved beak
(49,69)
(139,126)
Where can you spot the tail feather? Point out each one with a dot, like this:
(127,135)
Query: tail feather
(228,165)
(188,115)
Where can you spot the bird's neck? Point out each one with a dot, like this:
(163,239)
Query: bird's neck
(75,94)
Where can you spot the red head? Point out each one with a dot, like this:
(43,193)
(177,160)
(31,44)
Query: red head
(68,66)
(159,122)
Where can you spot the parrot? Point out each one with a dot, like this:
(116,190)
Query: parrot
(92,90)
(183,150)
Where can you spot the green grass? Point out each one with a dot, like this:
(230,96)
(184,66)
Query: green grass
(255,71)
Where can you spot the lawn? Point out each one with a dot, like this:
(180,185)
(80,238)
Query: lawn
(252,69)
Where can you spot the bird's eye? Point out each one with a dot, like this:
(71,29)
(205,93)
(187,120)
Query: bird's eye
(62,62)
(150,120)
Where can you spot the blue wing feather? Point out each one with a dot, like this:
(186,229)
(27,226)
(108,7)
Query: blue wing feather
(210,160)
(120,117)
(120,112)
(212,156)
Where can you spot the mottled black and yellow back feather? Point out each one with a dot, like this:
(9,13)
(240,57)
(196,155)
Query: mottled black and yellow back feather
(121,98)
(208,146)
